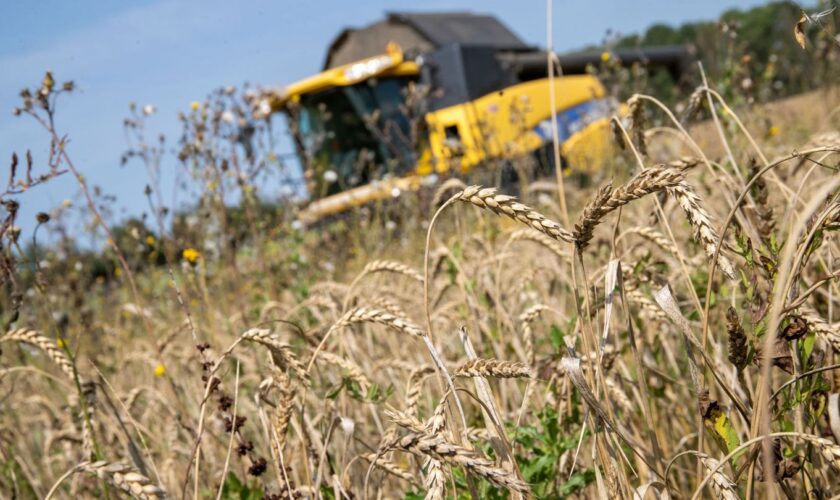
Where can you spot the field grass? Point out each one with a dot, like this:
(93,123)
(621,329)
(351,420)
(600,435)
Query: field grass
(677,337)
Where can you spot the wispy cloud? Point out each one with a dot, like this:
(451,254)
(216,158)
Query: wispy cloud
(163,25)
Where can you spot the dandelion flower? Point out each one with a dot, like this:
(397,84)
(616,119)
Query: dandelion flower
(160,370)
(191,255)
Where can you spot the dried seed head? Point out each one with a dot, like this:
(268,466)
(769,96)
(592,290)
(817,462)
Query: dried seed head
(737,339)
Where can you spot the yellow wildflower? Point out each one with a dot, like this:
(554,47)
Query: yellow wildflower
(160,370)
(773,131)
(60,342)
(195,105)
(191,255)
(605,56)
(150,240)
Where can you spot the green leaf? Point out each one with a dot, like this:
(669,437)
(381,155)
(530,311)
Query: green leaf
(234,488)
(578,481)
(555,334)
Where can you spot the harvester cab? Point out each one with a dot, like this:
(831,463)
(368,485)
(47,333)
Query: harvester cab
(415,97)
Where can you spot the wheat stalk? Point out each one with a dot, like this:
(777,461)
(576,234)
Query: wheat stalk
(654,237)
(449,185)
(489,199)
(388,305)
(828,449)
(414,386)
(494,368)
(281,353)
(724,487)
(283,409)
(700,221)
(37,339)
(647,306)
(353,371)
(525,320)
(377,266)
(370,315)
(607,199)
(124,477)
(437,447)
(526,234)
(820,326)
(435,477)
(389,467)
(86,415)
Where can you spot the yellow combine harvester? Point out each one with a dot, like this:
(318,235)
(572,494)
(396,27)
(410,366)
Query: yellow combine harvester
(447,94)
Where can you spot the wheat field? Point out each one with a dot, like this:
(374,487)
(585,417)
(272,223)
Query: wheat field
(672,333)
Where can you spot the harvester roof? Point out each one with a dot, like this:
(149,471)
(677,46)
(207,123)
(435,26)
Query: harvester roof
(418,33)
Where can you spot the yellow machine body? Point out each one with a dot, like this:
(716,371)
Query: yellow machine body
(501,125)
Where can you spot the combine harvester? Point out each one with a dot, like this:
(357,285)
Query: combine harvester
(416,97)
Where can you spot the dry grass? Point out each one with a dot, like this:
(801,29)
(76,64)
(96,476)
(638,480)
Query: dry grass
(312,378)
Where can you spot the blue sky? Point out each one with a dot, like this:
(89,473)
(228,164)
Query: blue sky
(169,53)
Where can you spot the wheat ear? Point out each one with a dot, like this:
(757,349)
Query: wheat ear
(525,320)
(37,339)
(607,199)
(438,448)
(414,388)
(281,353)
(723,486)
(435,477)
(494,368)
(353,371)
(378,266)
(284,409)
(389,467)
(551,244)
(700,221)
(490,199)
(124,477)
